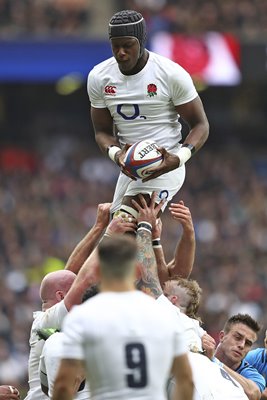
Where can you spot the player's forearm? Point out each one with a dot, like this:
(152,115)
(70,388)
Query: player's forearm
(163,272)
(84,248)
(250,388)
(198,134)
(184,256)
(104,140)
(85,278)
(62,393)
(149,281)
(264,395)
(184,390)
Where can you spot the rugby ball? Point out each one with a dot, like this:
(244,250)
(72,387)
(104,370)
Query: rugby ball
(141,156)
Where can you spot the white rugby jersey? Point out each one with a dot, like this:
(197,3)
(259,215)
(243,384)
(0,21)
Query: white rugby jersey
(51,318)
(143,105)
(49,363)
(192,330)
(128,343)
(211,382)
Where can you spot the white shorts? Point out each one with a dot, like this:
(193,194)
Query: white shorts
(166,185)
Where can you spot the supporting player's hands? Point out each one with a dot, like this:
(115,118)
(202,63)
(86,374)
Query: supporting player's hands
(157,229)
(9,393)
(208,345)
(102,216)
(182,214)
(148,213)
(121,224)
(119,159)
(170,161)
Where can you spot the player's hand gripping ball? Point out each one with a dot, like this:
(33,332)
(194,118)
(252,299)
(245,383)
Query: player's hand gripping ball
(141,156)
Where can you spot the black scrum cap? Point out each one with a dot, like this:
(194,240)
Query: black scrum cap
(128,23)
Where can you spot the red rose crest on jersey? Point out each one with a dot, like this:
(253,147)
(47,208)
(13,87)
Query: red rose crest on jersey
(152,90)
(110,90)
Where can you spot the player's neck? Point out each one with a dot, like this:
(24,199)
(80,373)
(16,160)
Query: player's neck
(117,286)
(140,64)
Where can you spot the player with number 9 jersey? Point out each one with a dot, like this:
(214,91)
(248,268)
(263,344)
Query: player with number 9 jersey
(128,343)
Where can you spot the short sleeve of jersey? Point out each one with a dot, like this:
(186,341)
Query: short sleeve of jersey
(249,372)
(94,91)
(182,88)
(73,338)
(53,317)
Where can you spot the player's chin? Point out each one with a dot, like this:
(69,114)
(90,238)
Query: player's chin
(125,66)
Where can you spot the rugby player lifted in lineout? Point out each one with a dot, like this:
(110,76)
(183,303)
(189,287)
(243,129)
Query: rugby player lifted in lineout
(142,95)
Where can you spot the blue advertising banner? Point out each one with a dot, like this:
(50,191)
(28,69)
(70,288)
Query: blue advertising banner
(48,61)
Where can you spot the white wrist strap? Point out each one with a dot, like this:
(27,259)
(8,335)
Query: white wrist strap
(113,150)
(184,153)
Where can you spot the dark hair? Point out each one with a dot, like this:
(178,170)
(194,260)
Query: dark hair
(241,319)
(128,23)
(90,292)
(117,255)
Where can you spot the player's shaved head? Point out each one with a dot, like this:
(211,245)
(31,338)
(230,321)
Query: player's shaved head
(54,287)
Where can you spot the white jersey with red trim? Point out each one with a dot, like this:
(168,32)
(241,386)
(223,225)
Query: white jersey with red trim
(143,105)
(128,343)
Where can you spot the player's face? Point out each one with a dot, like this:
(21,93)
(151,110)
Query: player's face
(126,51)
(237,342)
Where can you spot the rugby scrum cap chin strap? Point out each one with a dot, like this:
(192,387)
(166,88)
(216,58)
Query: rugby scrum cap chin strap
(128,23)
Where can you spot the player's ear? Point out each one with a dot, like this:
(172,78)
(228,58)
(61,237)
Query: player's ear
(59,295)
(221,335)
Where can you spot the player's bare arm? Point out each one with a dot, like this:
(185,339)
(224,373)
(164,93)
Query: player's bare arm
(103,127)
(149,281)
(163,272)
(70,375)
(194,115)
(184,256)
(89,242)
(250,388)
(182,374)
(106,139)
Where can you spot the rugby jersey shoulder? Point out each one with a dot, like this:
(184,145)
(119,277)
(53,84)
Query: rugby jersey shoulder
(104,66)
(165,64)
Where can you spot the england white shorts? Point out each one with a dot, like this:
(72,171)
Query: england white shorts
(166,186)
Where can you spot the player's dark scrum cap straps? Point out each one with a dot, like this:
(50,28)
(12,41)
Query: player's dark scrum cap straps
(128,23)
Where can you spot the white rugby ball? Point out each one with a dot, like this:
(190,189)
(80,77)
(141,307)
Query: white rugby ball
(141,156)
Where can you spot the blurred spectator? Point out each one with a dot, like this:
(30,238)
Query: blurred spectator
(246,18)
(19,18)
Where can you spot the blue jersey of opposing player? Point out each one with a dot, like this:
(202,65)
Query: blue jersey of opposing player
(258,358)
(250,372)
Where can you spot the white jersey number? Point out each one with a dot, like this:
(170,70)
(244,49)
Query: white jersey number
(136,362)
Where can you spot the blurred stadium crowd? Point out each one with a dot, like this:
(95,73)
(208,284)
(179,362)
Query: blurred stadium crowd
(247,18)
(48,202)
(49,195)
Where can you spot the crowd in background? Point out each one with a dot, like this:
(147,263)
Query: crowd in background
(246,18)
(49,195)
(48,202)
